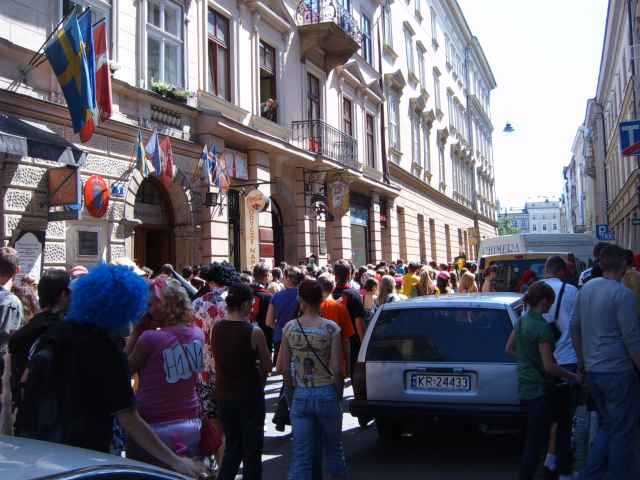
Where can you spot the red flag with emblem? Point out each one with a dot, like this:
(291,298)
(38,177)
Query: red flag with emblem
(169,162)
(103,75)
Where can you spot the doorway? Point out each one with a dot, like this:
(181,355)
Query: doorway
(154,243)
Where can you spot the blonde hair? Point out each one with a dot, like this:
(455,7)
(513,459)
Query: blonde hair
(426,285)
(176,305)
(468,283)
(386,288)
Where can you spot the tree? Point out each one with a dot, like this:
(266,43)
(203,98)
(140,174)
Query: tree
(506,228)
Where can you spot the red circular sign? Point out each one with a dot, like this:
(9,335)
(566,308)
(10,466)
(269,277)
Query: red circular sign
(96,196)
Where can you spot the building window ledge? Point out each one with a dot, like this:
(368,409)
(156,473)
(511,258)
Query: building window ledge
(413,78)
(270,127)
(439,113)
(435,43)
(395,154)
(388,49)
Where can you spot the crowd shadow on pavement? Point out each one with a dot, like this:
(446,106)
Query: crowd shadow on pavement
(439,453)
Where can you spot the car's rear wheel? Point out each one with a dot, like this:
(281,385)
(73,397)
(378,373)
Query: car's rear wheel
(388,429)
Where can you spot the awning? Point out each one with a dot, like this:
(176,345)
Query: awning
(18,137)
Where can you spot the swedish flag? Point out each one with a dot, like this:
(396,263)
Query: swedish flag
(66,52)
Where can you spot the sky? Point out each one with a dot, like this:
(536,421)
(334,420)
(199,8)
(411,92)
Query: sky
(545,56)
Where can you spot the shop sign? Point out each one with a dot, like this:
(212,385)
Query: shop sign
(63,186)
(338,197)
(96,196)
(30,246)
(257,200)
(630,137)
(604,233)
(251,234)
(117,190)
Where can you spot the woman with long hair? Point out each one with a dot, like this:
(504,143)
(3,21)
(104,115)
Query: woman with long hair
(237,346)
(426,285)
(311,360)
(169,360)
(387,290)
(370,302)
(468,283)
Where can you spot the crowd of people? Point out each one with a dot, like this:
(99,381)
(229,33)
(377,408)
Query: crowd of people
(178,362)
(581,346)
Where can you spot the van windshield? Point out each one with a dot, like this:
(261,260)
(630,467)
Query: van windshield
(441,335)
(517,275)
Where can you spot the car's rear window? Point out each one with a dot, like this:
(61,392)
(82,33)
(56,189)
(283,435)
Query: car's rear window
(441,335)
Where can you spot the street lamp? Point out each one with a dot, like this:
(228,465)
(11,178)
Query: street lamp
(508,128)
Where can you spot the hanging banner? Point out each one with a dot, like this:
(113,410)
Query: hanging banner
(96,196)
(251,231)
(338,196)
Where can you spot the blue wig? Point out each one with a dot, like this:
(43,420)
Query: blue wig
(110,296)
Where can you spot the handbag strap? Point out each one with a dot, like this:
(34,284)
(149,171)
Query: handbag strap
(560,295)
(313,350)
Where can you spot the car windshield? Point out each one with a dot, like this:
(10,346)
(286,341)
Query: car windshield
(441,335)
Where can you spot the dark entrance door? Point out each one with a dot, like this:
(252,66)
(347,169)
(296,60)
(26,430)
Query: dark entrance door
(154,241)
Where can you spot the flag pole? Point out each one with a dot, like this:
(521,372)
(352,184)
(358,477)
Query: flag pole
(39,58)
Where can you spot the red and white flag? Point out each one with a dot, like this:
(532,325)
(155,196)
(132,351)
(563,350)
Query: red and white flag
(103,75)
(169,161)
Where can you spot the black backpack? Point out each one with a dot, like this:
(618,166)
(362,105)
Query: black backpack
(45,403)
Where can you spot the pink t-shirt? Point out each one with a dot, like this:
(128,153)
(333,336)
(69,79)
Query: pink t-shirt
(168,379)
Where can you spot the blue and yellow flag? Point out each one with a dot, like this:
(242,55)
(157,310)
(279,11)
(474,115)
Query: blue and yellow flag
(66,54)
(141,157)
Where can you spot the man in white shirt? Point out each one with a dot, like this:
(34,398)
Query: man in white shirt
(559,315)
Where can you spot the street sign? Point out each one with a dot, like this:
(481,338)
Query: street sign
(635,221)
(630,138)
(604,234)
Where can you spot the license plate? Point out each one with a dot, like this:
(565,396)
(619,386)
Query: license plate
(456,383)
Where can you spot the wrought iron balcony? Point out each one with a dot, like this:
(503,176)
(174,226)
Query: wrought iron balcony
(317,137)
(329,34)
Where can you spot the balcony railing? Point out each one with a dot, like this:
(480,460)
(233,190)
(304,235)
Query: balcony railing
(317,137)
(313,12)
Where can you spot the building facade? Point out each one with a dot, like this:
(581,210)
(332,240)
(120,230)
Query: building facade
(540,216)
(578,195)
(611,179)
(291,94)
(438,85)
(517,218)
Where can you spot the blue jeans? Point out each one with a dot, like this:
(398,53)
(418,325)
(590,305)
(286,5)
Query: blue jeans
(316,419)
(614,450)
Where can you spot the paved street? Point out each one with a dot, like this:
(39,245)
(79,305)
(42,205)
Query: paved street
(445,456)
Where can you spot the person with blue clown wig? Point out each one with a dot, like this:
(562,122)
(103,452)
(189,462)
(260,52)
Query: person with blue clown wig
(92,370)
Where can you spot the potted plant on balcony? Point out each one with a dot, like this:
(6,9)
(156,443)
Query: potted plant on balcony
(170,91)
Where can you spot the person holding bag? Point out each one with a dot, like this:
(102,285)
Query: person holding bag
(311,360)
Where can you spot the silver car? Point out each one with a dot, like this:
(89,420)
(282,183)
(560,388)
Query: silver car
(26,459)
(434,357)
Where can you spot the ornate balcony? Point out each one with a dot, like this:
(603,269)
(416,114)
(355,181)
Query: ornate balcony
(329,34)
(318,137)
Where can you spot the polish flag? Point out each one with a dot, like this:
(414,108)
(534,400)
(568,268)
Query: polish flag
(103,75)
